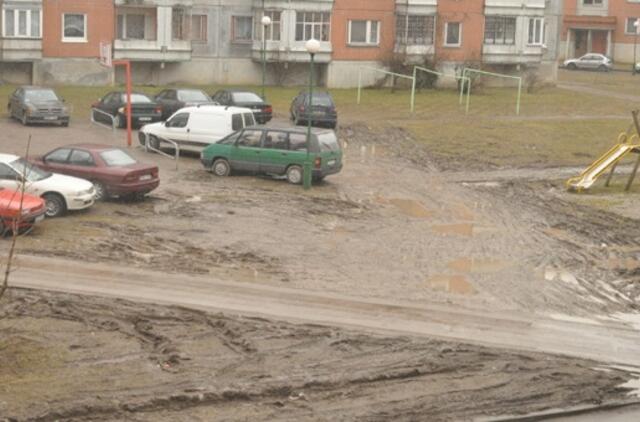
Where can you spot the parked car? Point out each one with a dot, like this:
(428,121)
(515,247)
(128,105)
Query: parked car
(25,210)
(112,171)
(143,109)
(32,104)
(322,111)
(590,61)
(60,192)
(197,127)
(262,111)
(172,100)
(276,151)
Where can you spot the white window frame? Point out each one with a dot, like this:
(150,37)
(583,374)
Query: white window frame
(268,34)
(539,40)
(626,25)
(203,36)
(594,3)
(16,12)
(368,33)
(75,39)
(311,26)
(235,40)
(125,37)
(446,32)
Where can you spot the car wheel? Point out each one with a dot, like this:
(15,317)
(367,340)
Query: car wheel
(24,119)
(154,142)
(118,121)
(55,205)
(221,167)
(101,192)
(602,68)
(65,124)
(572,66)
(294,175)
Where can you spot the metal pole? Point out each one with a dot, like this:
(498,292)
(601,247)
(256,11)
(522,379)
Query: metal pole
(413,91)
(127,65)
(518,100)
(264,59)
(635,44)
(359,83)
(461,89)
(307,163)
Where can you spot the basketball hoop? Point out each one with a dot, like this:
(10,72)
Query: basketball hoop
(105,55)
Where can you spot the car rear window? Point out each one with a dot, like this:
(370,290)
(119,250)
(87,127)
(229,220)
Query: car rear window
(117,157)
(236,122)
(249,120)
(136,98)
(193,95)
(246,97)
(322,100)
(328,142)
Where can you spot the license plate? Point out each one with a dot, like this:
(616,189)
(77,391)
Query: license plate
(144,119)
(331,163)
(39,218)
(51,118)
(145,177)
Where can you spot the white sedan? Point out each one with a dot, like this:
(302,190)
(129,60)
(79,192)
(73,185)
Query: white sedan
(590,61)
(60,193)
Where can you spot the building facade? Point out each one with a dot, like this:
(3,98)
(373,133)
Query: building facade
(225,41)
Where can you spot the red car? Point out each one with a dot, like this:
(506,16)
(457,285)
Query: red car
(112,170)
(33,210)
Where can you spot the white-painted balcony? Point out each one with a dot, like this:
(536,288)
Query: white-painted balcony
(19,49)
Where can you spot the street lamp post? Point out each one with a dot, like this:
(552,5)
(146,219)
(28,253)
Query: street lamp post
(312,46)
(266,21)
(636,25)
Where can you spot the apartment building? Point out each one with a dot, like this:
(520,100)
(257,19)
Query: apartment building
(600,26)
(21,41)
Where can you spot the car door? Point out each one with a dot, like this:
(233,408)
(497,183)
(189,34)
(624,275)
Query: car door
(9,178)
(177,128)
(246,153)
(81,164)
(275,152)
(56,161)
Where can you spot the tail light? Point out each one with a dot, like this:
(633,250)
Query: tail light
(268,109)
(158,109)
(130,177)
(154,173)
(318,162)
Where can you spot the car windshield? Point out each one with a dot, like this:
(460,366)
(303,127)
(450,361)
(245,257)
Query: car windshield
(246,97)
(322,100)
(136,98)
(40,95)
(328,142)
(117,157)
(192,95)
(31,172)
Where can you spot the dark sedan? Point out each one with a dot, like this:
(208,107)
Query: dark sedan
(262,111)
(32,104)
(322,111)
(172,100)
(112,171)
(143,109)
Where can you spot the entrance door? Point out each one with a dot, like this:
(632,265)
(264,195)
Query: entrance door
(599,42)
(581,38)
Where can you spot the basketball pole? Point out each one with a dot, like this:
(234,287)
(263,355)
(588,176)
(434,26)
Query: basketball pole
(106,59)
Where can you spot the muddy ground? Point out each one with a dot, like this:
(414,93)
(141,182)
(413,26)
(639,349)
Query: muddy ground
(73,358)
(393,224)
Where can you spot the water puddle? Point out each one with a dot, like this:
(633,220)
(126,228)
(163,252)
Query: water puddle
(473,265)
(457,284)
(463,229)
(409,207)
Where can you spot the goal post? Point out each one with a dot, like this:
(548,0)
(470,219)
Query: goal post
(466,71)
(386,72)
(463,78)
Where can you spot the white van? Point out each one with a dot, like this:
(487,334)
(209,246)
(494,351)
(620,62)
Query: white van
(198,126)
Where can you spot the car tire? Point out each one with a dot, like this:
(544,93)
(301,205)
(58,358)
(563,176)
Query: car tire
(295,175)
(154,142)
(602,68)
(572,66)
(24,119)
(55,205)
(221,167)
(101,191)
(118,121)
(65,124)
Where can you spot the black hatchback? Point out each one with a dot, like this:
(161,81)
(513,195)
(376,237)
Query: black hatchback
(322,111)
(262,111)
(143,109)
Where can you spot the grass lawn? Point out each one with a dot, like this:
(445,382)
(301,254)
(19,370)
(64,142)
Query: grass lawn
(551,130)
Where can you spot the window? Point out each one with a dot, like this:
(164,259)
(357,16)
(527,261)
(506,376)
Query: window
(74,27)
(199,28)
(7,173)
(313,25)
(58,156)
(414,29)
(241,28)
(630,27)
(130,26)
(179,120)
(229,140)
(179,29)
(249,120)
(452,34)
(236,122)
(117,157)
(592,2)
(536,31)
(250,139)
(297,142)
(21,23)
(272,31)
(276,140)
(364,32)
(500,30)
(80,158)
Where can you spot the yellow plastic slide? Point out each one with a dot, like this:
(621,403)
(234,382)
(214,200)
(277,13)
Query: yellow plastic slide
(615,154)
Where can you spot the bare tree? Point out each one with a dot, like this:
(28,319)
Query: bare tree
(15,224)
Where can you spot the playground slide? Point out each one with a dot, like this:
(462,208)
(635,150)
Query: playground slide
(591,173)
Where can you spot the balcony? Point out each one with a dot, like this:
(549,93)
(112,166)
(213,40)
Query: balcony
(153,34)
(21,49)
(290,51)
(511,54)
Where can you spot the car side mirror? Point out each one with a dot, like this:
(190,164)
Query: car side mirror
(166,123)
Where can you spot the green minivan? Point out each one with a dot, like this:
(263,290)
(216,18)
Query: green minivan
(276,151)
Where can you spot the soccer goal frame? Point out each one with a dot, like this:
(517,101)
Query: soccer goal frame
(386,72)
(466,71)
(442,75)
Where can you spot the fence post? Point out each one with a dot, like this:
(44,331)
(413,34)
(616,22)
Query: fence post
(413,91)
(359,83)
(518,101)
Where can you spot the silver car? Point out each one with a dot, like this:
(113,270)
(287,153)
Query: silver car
(591,61)
(32,104)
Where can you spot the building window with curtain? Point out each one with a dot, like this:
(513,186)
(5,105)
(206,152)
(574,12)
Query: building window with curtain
(415,29)
(500,30)
(21,23)
(315,25)
(241,29)
(199,28)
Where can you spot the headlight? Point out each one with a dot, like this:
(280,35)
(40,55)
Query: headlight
(85,192)
(121,110)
